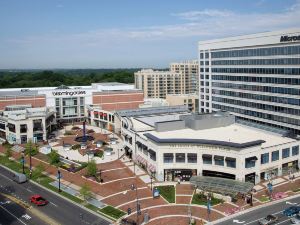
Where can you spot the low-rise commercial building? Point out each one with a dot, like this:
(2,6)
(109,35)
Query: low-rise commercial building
(21,123)
(179,145)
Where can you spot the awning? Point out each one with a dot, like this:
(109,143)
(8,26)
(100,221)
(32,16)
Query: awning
(253,158)
(230,159)
(218,157)
(151,151)
(206,156)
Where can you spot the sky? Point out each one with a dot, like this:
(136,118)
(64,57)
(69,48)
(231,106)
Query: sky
(49,34)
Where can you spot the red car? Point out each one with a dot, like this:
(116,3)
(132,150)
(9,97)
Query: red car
(38,200)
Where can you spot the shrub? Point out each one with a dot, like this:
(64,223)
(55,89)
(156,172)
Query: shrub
(91,168)
(76,146)
(54,157)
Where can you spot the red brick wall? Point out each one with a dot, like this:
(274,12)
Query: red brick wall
(35,101)
(118,101)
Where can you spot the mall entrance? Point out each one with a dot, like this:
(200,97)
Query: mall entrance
(179,174)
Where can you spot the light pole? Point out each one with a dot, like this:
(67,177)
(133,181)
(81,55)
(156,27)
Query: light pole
(30,165)
(58,177)
(23,163)
(208,207)
(151,182)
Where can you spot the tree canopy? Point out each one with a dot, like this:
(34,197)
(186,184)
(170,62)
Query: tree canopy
(49,78)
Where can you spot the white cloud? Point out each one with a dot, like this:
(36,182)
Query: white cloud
(197,15)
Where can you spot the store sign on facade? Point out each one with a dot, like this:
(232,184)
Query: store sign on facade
(68,93)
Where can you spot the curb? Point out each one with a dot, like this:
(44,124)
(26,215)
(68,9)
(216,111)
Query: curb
(65,198)
(254,208)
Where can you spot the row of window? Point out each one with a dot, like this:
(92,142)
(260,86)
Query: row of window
(267,98)
(192,158)
(272,80)
(286,50)
(257,114)
(287,71)
(265,158)
(278,109)
(286,61)
(279,90)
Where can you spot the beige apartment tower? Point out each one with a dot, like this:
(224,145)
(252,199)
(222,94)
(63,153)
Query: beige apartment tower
(182,78)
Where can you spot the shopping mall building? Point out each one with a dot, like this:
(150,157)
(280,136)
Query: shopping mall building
(18,107)
(174,144)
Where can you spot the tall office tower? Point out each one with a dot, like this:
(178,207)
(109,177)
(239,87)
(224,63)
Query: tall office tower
(256,77)
(157,84)
(190,70)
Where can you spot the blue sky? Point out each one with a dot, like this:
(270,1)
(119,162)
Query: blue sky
(127,33)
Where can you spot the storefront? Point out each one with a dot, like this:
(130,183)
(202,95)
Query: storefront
(176,174)
(271,173)
(290,167)
(250,178)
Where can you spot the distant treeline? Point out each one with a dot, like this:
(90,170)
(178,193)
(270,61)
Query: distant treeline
(49,78)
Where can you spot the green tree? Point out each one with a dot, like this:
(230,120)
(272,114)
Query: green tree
(38,171)
(54,157)
(85,192)
(91,168)
(30,147)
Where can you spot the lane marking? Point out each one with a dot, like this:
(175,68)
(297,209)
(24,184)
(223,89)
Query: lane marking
(26,216)
(13,215)
(263,217)
(53,204)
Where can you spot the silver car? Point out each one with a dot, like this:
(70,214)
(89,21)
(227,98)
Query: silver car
(268,220)
(296,219)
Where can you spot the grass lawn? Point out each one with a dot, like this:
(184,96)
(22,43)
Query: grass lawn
(296,190)
(264,199)
(201,199)
(168,192)
(113,212)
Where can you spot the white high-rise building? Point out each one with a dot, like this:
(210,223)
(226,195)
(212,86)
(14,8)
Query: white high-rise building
(255,77)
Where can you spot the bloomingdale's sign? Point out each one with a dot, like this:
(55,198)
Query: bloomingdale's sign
(289,38)
(68,93)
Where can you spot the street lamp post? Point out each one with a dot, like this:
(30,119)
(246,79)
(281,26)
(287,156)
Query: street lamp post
(208,207)
(23,163)
(59,176)
(151,182)
(30,162)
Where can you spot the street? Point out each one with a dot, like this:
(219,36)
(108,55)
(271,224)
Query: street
(60,210)
(253,216)
(14,214)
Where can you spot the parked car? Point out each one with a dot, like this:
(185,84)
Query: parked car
(291,211)
(269,219)
(296,219)
(19,178)
(38,200)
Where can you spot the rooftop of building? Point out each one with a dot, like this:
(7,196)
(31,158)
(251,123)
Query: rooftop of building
(20,112)
(152,111)
(191,95)
(233,135)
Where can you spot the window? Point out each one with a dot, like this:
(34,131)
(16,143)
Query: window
(192,157)
(23,128)
(180,157)
(295,150)
(285,153)
(264,158)
(168,157)
(207,159)
(230,162)
(152,154)
(250,162)
(275,155)
(219,160)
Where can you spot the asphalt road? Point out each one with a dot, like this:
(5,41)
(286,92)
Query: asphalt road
(252,217)
(60,210)
(14,214)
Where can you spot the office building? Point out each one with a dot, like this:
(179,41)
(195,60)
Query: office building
(255,77)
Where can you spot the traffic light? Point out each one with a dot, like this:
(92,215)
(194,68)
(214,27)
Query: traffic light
(129,211)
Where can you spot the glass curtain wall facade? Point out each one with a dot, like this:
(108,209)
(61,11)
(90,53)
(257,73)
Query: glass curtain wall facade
(258,83)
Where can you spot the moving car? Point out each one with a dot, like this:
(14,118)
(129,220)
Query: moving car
(19,178)
(269,219)
(296,219)
(38,200)
(291,211)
